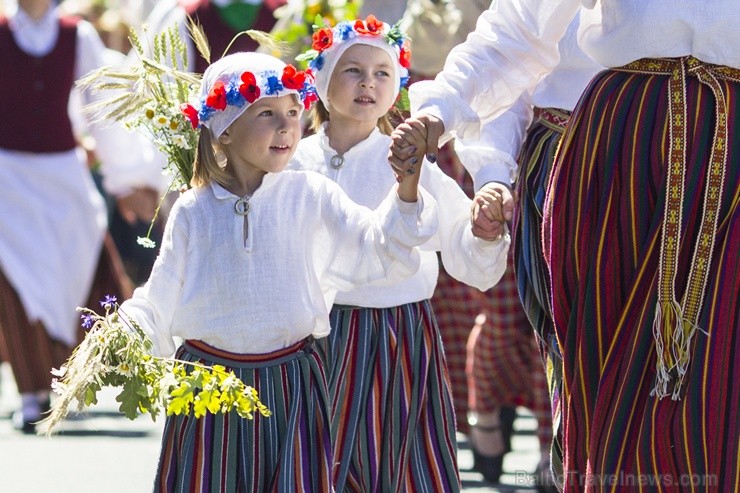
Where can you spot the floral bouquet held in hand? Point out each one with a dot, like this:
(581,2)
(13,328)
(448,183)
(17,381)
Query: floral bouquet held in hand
(116,352)
(147,96)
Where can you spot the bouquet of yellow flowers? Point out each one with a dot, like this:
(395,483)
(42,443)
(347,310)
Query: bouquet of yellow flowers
(116,352)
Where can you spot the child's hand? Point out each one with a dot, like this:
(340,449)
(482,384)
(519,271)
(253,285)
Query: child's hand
(493,205)
(412,136)
(413,139)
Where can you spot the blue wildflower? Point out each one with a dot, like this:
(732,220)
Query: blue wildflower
(108,301)
(404,81)
(87,320)
(205,112)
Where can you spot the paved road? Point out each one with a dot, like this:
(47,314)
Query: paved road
(105,452)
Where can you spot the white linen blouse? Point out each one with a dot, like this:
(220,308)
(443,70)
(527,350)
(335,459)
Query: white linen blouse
(514,45)
(306,241)
(492,157)
(366,176)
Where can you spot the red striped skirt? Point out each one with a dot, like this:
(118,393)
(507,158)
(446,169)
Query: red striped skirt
(602,229)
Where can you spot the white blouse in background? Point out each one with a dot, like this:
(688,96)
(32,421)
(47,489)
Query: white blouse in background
(366,176)
(492,156)
(306,241)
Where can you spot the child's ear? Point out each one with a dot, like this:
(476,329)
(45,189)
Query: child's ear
(224,138)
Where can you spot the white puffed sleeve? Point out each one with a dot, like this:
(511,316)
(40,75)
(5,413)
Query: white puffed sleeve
(512,47)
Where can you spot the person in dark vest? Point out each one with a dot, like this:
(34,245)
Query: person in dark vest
(54,252)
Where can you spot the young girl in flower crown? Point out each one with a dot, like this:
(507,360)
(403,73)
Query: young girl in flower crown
(251,258)
(392,417)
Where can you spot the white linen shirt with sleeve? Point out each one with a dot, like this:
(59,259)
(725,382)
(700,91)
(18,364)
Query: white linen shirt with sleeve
(366,176)
(492,157)
(515,44)
(306,241)
(53,218)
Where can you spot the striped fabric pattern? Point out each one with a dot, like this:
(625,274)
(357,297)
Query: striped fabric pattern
(289,451)
(393,423)
(506,368)
(26,345)
(533,279)
(601,236)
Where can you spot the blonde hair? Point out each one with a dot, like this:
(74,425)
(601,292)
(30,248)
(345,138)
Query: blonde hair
(386,123)
(206,166)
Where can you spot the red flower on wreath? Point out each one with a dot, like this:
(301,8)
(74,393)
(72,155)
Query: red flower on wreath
(371,26)
(249,88)
(322,39)
(292,78)
(190,113)
(216,98)
(404,57)
(310,98)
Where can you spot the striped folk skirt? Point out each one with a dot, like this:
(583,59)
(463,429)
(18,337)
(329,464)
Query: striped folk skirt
(535,163)
(289,451)
(393,423)
(603,238)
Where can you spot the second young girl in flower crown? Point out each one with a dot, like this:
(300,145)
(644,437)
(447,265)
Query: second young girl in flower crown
(392,416)
(251,258)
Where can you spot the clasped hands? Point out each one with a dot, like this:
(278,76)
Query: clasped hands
(418,137)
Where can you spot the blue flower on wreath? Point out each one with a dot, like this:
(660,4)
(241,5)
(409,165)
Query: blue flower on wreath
(272,83)
(317,63)
(205,112)
(345,31)
(233,96)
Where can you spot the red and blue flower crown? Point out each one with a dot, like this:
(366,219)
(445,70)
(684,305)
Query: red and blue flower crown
(246,88)
(325,37)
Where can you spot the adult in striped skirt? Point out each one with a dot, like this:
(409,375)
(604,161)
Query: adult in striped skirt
(641,206)
(55,254)
(504,368)
(553,101)
(242,280)
(393,423)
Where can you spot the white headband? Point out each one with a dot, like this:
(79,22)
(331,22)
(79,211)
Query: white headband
(330,43)
(234,82)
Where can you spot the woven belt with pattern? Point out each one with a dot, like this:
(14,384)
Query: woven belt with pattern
(676,323)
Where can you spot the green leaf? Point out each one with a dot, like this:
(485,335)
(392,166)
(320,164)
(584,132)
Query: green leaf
(130,398)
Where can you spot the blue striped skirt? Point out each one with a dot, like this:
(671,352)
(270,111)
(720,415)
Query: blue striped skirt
(286,452)
(393,423)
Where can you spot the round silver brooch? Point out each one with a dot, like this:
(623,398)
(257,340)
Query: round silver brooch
(241,206)
(336,161)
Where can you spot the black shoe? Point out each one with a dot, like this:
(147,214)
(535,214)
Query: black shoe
(26,426)
(491,467)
